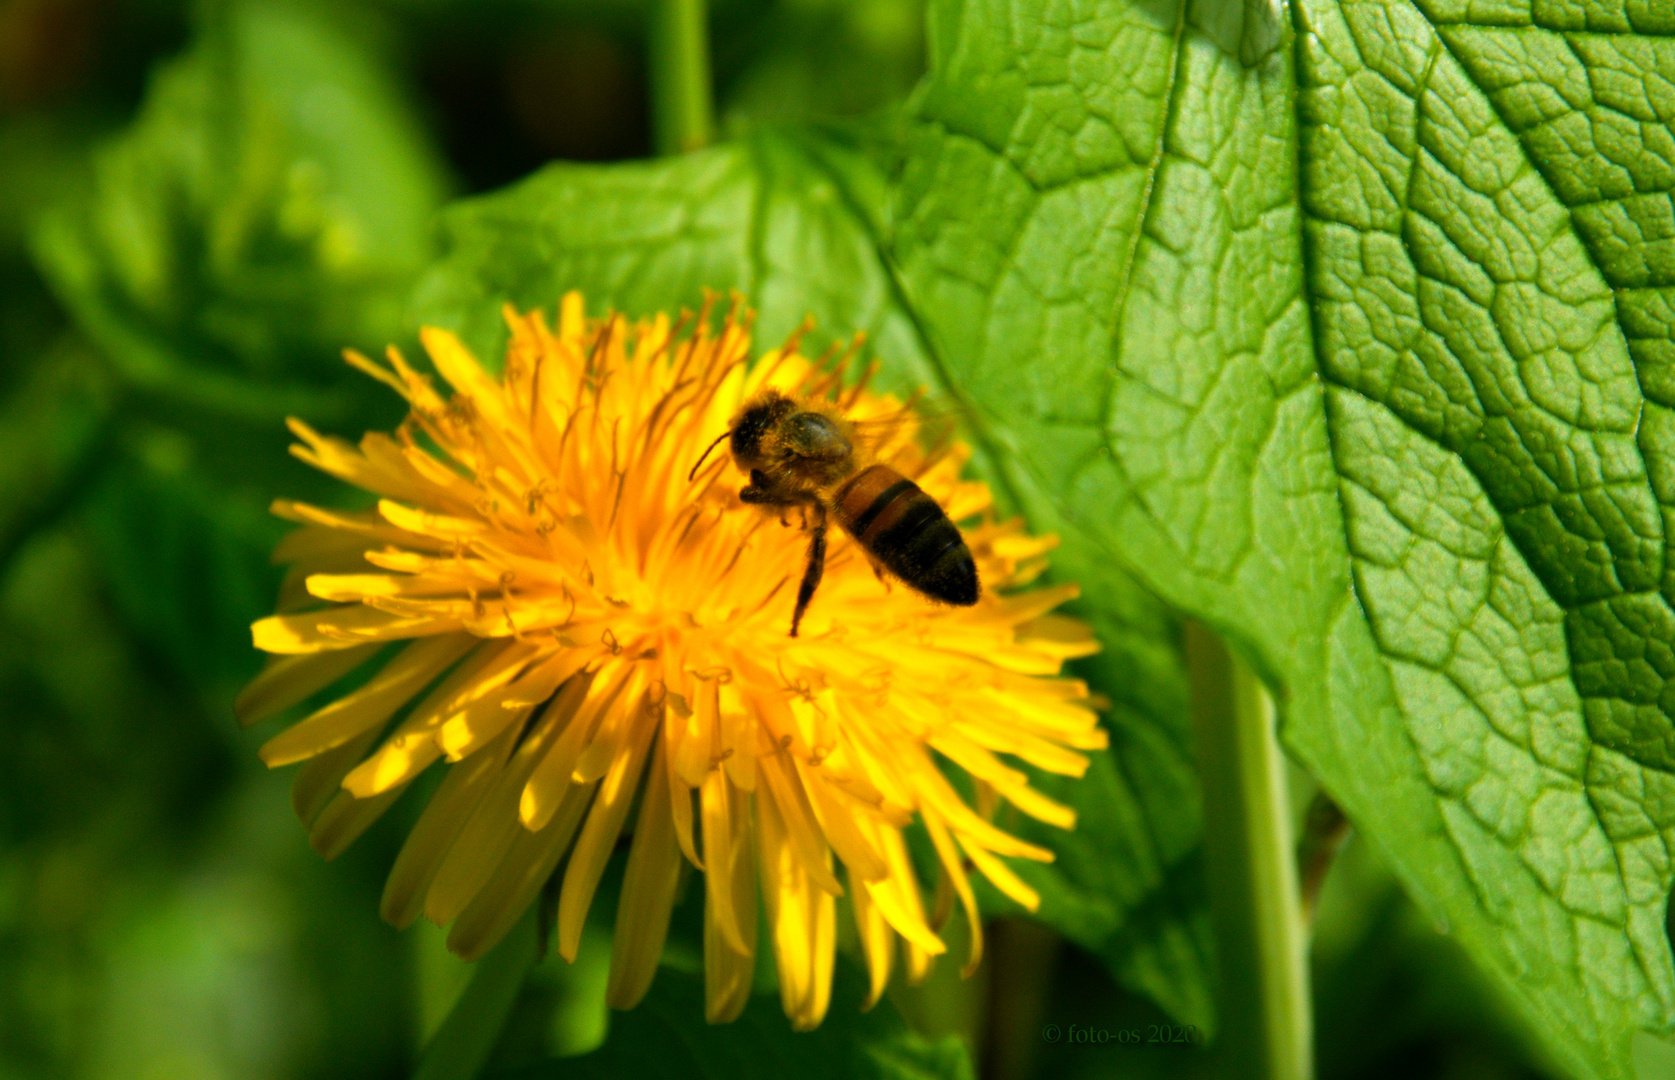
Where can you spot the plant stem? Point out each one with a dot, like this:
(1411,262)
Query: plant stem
(1265,1022)
(1022,958)
(465,1040)
(680,76)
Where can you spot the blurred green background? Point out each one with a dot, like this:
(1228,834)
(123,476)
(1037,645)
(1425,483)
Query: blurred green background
(199,206)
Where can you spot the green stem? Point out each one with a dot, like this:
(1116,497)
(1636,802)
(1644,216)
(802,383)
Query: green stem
(680,76)
(1265,1020)
(462,1045)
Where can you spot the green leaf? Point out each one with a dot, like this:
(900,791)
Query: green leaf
(795,221)
(268,207)
(666,1036)
(1433,512)
(786,217)
(1489,319)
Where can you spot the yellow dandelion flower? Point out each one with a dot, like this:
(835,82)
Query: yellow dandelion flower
(574,623)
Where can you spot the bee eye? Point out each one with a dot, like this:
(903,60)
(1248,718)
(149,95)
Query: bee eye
(812,433)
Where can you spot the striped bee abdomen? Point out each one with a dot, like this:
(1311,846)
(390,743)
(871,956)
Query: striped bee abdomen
(906,531)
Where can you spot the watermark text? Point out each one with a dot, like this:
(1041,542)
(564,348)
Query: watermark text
(1150,1034)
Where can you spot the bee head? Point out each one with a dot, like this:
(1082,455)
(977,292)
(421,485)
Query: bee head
(760,415)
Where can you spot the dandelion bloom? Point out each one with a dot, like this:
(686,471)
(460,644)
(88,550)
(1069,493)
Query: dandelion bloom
(554,607)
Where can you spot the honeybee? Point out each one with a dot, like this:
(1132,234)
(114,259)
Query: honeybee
(799,453)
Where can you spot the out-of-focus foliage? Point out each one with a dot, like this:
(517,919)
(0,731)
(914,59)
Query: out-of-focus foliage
(271,202)
(667,1036)
(157,917)
(200,205)
(269,205)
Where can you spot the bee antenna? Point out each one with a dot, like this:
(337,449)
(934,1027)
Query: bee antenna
(694,473)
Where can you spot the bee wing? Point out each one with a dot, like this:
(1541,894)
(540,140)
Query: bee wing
(882,422)
(888,425)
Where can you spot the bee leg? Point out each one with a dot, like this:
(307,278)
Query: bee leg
(816,566)
(760,491)
(764,497)
(878,572)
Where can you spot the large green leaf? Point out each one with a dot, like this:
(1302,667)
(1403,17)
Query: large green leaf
(795,221)
(1490,310)
(789,218)
(1350,336)
(1431,514)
